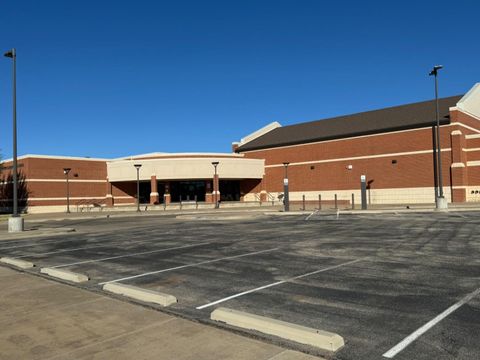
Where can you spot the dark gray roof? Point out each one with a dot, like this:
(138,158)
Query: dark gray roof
(396,118)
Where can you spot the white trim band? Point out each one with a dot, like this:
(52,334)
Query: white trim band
(358,158)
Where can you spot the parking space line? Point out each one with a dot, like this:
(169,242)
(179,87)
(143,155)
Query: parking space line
(186,266)
(422,330)
(278,283)
(313,213)
(40,243)
(128,255)
(54,241)
(60,251)
(95,245)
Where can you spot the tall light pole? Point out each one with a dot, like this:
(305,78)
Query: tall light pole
(138,166)
(441,202)
(215,184)
(286,199)
(15,223)
(66,171)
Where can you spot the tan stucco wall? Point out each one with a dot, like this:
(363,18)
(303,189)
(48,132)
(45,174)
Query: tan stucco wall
(186,168)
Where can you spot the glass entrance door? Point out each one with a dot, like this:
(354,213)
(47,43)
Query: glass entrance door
(187,190)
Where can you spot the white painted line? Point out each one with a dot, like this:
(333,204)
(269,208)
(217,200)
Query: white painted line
(18,263)
(137,293)
(95,245)
(278,283)
(186,266)
(65,275)
(61,251)
(422,330)
(309,216)
(134,254)
(39,242)
(301,334)
(57,240)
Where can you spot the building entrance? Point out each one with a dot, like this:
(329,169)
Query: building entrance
(187,191)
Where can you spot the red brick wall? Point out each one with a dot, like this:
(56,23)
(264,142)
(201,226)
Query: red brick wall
(39,171)
(410,171)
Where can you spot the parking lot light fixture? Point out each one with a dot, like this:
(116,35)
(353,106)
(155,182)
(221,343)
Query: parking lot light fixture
(286,200)
(138,166)
(440,202)
(216,184)
(15,221)
(66,171)
(12,55)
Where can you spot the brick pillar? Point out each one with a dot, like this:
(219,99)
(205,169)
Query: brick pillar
(154,196)
(216,188)
(109,196)
(208,192)
(458,168)
(166,196)
(263,191)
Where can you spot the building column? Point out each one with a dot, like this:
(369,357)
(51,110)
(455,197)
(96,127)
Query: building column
(154,196)
(458,168)
(166,197)
(263,191)
(208,192)
(216,188)
(108,196)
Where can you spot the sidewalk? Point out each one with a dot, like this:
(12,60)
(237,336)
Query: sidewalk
(42,319)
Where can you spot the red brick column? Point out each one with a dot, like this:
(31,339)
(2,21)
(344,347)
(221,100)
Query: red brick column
(154,196)
(166,196)
(263,191)
(109,196)
(208,192)
(458,168)
(216,188)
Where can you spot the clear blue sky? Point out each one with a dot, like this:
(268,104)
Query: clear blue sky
(109,78)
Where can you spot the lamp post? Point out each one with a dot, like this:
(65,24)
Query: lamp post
(215,184)
(15,223)
(138,166)
(285,188)
(66,171)
(440,202)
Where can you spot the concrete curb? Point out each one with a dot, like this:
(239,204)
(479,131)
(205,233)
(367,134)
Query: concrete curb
(64,275)
(121,214)
(218,217)
(137,293)
(22,264)
(321,339)
(289,213)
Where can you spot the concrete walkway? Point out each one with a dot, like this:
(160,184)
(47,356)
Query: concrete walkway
(42,319)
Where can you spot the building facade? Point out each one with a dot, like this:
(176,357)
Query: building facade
(163,179)
(392,147)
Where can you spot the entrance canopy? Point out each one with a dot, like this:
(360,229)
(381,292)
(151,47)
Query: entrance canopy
(185,167)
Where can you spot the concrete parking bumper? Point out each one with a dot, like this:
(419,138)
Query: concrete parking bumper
(22,264)
(318,338)
(64,275)
(137,293)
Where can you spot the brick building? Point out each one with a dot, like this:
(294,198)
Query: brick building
(392,147)
(164,178)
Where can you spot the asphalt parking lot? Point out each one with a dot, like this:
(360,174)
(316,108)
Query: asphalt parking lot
(385,282)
